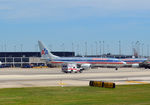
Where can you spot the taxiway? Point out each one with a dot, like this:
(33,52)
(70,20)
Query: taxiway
(18,77)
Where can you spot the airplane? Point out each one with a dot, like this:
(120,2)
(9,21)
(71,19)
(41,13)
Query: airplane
(85,62)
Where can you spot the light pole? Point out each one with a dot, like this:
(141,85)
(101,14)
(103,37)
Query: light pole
(100,49)
(96,48)
(142,50)
(92,49)
(148,51)
(119,47)
(103,47)
(85,48)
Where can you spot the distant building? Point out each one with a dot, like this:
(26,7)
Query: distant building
(19,59)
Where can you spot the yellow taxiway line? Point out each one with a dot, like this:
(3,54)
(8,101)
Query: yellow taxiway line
(137,82)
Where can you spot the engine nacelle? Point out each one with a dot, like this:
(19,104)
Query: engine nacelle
(86,66)
(135,65)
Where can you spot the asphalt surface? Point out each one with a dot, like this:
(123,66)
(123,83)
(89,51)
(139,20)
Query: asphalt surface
(18,77)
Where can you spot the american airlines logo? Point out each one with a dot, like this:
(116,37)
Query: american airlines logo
(44,51)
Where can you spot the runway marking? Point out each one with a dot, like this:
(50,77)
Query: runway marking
(137,82)
(61,84)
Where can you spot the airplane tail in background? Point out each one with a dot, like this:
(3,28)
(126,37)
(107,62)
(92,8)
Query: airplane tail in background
(45,53)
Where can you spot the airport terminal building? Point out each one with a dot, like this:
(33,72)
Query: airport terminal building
(20,59)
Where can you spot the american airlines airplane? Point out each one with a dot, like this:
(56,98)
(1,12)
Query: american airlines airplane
(85,62)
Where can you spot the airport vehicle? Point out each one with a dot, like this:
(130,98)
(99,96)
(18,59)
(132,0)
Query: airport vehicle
(70,68)
(85,62)
(145,64)
(133,62)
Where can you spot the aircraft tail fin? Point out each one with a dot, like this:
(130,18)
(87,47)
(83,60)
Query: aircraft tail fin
(45,53)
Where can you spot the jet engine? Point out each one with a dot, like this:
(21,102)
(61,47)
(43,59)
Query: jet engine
(86,66)
(135,65)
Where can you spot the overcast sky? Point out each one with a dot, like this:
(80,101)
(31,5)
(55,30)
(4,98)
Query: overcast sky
(59,23)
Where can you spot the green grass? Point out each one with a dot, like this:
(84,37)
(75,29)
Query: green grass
(121,95)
